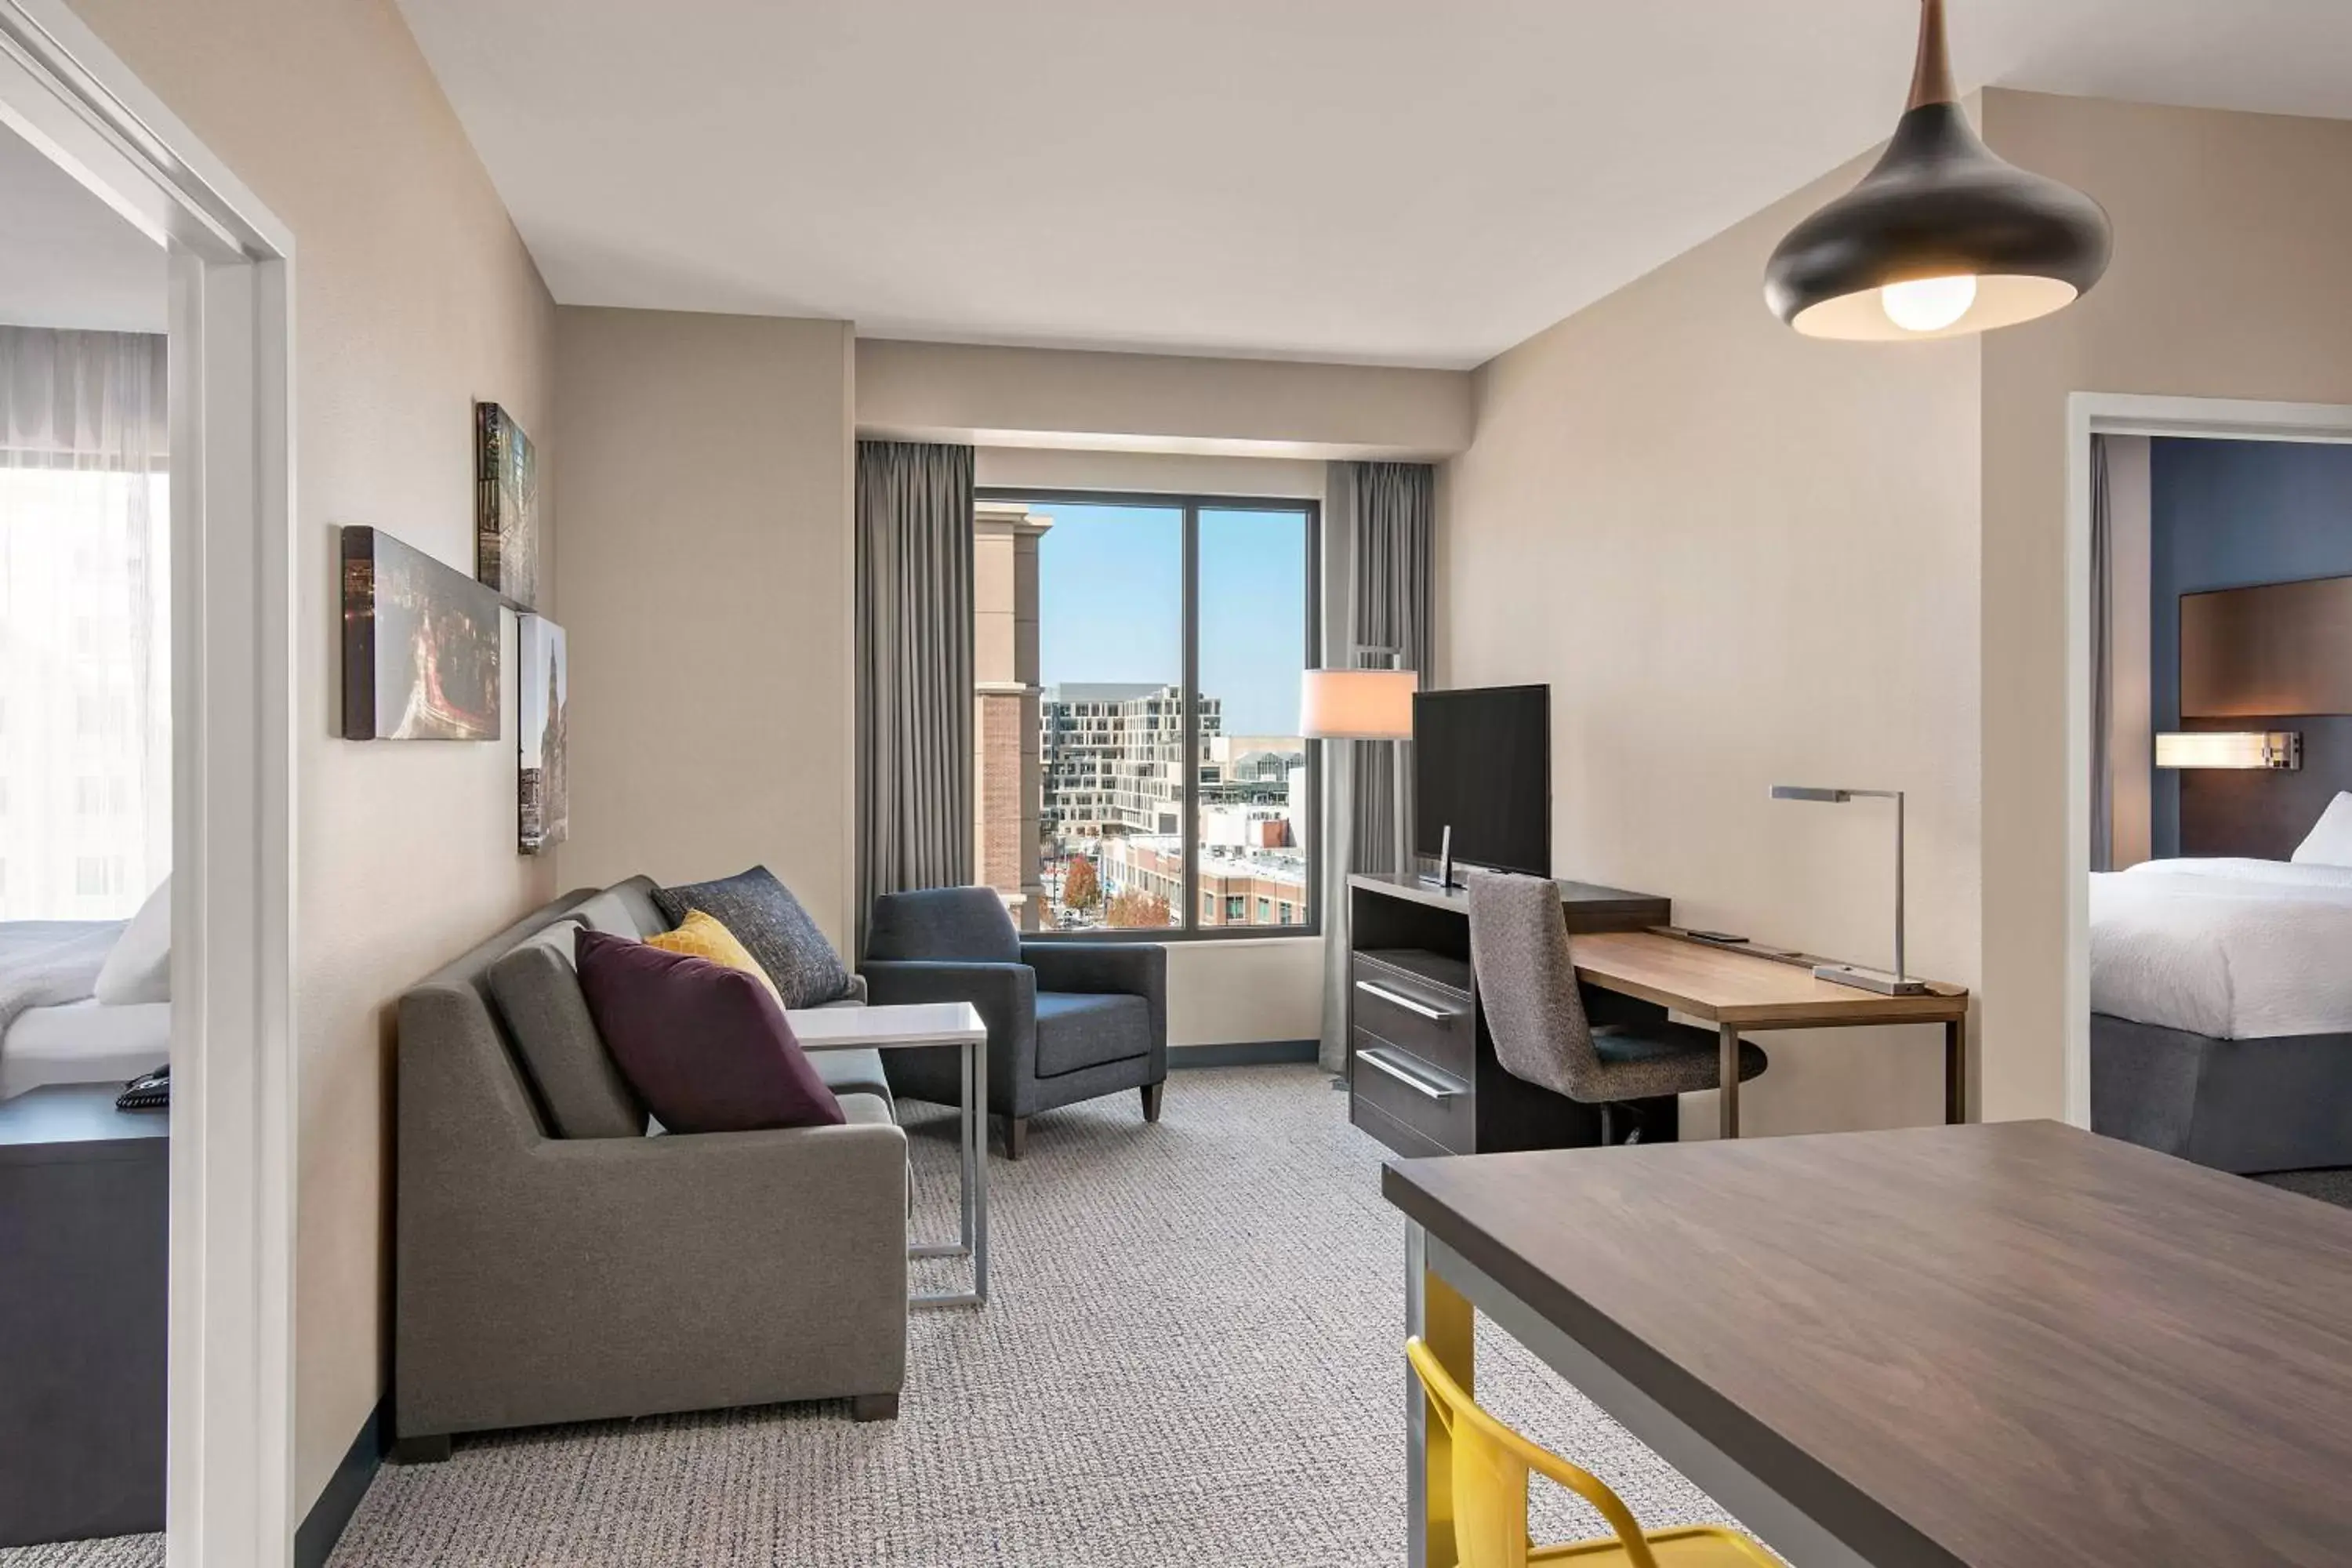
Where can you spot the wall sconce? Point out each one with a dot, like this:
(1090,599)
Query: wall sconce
(2280,748)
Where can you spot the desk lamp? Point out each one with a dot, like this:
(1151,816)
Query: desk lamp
(1897,984)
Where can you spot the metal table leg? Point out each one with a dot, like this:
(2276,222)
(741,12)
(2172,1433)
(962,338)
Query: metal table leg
(972,1195)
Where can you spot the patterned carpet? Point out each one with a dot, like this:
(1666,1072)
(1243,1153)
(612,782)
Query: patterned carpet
(1191,1355)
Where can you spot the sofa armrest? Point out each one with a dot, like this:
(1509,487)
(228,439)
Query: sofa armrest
(583,1278)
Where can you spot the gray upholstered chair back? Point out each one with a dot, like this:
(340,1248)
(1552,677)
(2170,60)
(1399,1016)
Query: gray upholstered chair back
(1527,983)
(966,923)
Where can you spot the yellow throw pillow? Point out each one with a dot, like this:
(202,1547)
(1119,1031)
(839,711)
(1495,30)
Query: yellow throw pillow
(701,936)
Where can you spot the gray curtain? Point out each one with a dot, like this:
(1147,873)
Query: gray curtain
(1380,544)
(914,669)
(2103,683)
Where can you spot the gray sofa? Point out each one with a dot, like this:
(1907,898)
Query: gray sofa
(554,1263)
(1067,1020)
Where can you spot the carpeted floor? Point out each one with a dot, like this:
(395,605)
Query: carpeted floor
(1191,1356)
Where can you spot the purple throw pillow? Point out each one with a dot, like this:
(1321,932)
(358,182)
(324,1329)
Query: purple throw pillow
(707,1047)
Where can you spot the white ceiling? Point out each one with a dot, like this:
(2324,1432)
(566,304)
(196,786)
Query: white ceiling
(1394,181)
(66,259)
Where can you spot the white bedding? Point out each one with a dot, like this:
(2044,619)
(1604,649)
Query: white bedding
(84,1042)
(2236,949)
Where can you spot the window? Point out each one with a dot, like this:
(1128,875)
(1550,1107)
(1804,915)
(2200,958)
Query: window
(1138,661)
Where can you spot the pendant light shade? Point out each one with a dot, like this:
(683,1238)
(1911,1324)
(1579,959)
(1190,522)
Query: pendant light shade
(1942,238)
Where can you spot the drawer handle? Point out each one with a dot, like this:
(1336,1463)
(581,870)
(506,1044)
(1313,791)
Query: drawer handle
(1419,1082)
(1410,1003)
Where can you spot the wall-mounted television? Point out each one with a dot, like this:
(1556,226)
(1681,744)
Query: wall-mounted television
(1482,765)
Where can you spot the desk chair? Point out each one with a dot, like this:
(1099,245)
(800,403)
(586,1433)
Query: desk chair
(1490,1466)
(1535,1009)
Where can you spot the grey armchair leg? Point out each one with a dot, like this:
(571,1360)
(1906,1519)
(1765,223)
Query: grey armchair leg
(1016,1136)
(1152,1100)
(873,1407)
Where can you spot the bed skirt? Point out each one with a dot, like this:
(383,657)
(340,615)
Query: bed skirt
(2248,1106)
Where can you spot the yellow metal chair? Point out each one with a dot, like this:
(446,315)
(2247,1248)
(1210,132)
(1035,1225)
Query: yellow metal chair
(1489,1497)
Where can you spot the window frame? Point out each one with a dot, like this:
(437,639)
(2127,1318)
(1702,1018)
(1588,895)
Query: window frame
(1192,505)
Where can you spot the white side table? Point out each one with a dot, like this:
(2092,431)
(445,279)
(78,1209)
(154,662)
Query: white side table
(926,1024)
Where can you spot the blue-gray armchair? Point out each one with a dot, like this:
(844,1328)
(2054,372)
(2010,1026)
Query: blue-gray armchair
(1067,1020)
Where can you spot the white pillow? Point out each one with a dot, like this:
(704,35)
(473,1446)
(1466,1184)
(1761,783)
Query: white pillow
(139,967)
(2330,842)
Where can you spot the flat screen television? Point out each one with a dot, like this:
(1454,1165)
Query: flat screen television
(1482,765)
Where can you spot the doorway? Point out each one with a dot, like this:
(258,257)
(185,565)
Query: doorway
(230,713)
(2144,825)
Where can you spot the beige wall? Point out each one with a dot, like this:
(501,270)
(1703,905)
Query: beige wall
(1153,473)
(1160,403)
(412,297)
(706,594)
(2228,281)
(1741,558)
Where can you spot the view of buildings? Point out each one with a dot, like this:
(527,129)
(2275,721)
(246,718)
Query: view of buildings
(1081,785)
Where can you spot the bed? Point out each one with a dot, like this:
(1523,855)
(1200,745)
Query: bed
(2222,1009)
(52,1026)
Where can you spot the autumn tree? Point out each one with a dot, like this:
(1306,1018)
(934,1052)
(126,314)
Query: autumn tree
(1137,910)
(1081,888)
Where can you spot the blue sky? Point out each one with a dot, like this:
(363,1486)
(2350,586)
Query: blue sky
(1110,579)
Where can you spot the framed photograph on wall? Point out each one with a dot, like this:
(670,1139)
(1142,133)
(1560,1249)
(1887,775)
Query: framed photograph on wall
(540,780)
(420,646)
(506,507)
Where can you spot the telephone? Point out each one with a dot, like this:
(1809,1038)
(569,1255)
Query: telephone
(148,1091)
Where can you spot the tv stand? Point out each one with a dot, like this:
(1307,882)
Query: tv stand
(1423,1076)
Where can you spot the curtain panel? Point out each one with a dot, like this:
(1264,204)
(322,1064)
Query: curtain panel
(914,514)
(1381,541)
(85,623)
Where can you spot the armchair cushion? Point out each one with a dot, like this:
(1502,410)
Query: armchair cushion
(705,1047)
(765,917)
(968,923)
(1078,1030)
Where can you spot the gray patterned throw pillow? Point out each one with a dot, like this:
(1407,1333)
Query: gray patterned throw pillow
(769,922)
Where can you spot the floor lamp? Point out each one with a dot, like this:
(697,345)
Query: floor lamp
(1364,705)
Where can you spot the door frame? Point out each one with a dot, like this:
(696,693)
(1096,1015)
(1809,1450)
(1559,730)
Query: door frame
(232,1163)
(2091,414)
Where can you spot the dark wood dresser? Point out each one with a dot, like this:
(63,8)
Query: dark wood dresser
(85,1228)
(1422,1077)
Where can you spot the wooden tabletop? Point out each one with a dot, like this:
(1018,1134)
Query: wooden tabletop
(2009,1345)
(1727,987)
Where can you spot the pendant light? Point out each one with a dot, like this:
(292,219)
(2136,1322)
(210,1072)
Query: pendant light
(1942,238)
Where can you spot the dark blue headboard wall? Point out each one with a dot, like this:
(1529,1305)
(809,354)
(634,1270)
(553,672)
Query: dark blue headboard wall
(2231,514)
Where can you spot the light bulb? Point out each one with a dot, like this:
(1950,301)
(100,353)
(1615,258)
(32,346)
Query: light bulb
(1928,304)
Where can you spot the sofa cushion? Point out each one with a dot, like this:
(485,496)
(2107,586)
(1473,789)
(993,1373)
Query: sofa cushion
(705,1046)
(1076,1030)
(636,897)
(704,937)
(852,1072)
(536,991)
(767,918)
(608,911)
(968,924)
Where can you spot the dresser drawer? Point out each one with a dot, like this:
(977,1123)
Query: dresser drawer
(1406,1089)
(1430,1021)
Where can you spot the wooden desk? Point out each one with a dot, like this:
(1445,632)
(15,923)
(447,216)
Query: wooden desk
(1737,991)
(2003,1346)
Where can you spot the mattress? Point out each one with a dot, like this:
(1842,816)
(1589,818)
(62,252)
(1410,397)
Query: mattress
(2233,949)
(83,1042)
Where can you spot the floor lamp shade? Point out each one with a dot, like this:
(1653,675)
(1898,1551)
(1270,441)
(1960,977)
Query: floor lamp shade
(1942,238)
(1356,704)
